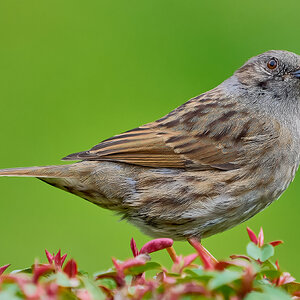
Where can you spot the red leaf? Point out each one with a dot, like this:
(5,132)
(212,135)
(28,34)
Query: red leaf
(132,262)
(59,260)
(189,259)
(162,277)
(207,263)
(277,265)
(252,236)
(119,277)
(247,281)
(285,278)
(133,247)
(239,262)
(222,265)
(50,257)
(240,256)
(106,290)
(261,237)
(117,265)
(41,270)
(71,268)
(63,258)
(3,268)
(156,245)
(276,243)
(138,279)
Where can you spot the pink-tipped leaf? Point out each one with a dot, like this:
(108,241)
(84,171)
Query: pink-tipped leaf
(252,236)
(277,264)
(156,245)
(40,271)
(133,262)
(189,259)
(285,278)
(63,258)
(260,238)
(133,247)
(49,256)
(71,268)
(3,268)
(276,243)
(59,260)
(240,256)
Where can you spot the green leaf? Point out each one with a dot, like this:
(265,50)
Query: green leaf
(224,278)
(266,252)
(292,287)
(62,279)
(263,254)
(194,297)
(108,282)
(269,293)
(270,274)
(199,275)
(175,275)
(93,289)
(185,297)
(83,273)
(30,289)
(8,295)
(146,267)
(267,265)
(200,272)
(10,291)
(226,291)
(67,295)
(25,270)
(253,251)
(108,273)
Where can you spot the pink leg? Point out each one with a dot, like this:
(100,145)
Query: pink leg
(203,250)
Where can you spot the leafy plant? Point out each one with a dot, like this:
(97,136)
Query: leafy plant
(251,277)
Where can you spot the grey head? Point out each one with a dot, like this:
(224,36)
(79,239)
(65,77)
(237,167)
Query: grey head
(271,67)
(274,70)
(269,82)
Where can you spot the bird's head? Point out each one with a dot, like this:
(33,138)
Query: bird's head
(275,73)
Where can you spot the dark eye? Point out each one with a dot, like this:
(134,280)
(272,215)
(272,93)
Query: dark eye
(272,63)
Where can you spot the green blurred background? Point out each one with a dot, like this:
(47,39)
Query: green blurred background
(75,72)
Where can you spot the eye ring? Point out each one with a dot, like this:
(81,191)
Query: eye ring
(272,63)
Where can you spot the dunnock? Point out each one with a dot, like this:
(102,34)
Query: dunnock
(208,165)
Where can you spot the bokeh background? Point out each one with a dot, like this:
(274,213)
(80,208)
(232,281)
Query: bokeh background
(73,73)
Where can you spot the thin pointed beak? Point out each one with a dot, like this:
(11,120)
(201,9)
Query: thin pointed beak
(296,73)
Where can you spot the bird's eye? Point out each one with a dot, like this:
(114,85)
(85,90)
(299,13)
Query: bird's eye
(272,63)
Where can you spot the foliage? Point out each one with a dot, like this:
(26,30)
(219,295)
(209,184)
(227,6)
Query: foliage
(242,277)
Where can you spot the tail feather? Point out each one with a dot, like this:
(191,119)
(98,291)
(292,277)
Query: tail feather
(62,171)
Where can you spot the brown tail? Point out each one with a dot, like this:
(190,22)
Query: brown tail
(62,171)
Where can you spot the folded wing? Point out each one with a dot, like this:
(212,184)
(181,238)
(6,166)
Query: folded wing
(204,133)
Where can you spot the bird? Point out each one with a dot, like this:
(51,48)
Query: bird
(207,166)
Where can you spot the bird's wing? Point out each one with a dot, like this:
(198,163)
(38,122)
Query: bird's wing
(207,132)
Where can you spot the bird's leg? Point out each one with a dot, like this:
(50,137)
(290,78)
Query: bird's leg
(204,250)
(172,253)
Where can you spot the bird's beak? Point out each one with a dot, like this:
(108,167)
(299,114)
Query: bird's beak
(296,73)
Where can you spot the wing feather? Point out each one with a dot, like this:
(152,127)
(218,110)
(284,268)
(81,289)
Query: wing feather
(207,132)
